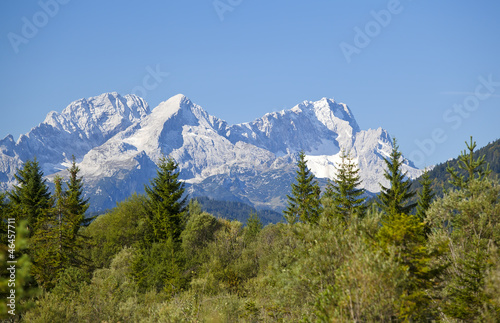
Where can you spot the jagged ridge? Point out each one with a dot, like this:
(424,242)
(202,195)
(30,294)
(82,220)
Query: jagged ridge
(117,141)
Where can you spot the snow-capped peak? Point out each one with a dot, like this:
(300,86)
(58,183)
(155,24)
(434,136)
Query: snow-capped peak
(171,106)
(101,113)
(117,140)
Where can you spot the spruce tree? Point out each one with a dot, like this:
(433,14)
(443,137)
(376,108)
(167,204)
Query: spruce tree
(395,198)
(304,204)
(466,296)
(57,243)
(159,263)
(30,199)
(48,242)
(343,191)
(474,168)
(425,197)
(253,227)
(75,203)
(166,202)
(404,234)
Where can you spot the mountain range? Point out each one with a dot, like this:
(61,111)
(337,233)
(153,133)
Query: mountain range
(117,141)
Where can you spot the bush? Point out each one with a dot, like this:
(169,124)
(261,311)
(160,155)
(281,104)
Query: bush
(123,227)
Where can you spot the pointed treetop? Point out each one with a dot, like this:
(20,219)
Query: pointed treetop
(474,168)
(304,203)
(395,198)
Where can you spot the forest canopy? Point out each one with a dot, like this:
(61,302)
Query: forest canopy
(409,256)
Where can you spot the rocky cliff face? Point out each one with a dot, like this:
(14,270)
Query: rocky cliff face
(118,140)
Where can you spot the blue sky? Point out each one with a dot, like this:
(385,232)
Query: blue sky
(426,71)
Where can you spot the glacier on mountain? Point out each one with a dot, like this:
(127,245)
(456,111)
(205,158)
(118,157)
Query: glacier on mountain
(117,142)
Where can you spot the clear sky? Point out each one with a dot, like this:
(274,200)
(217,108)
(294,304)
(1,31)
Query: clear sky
(427,71)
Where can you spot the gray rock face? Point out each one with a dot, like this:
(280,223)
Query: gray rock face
(117,142)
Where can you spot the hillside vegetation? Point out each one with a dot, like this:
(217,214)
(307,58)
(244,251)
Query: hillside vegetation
(440,176)
(159,258)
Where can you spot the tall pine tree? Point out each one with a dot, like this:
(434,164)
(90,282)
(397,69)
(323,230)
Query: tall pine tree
(474,168)
(425,197)
(160,264)
(75,202)
(395,198)
(30,199)
(48,242)
(346,196)
(304,204)
(166,202)
(57,243)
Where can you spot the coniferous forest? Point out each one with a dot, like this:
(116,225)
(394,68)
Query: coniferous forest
(408,256)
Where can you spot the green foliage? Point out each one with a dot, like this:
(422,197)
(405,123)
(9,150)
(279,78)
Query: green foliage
(159,268)
(346,197)
(124,226)
(366,288)
(71,281)
(469,221)
(491,311)
(394,198)
(22,284)
(440,265)
(425,197)
(57,243)
(441,177)
(253,227)
(31,197)
(237,211)
(5,213)
(111,296)
(405,235)
(166,202)
(304,204)
(74,202)
(465,292)
(220,268)
(199,232)
(475,168)
(159,262)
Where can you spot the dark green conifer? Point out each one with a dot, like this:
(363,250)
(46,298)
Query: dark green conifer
(253,227)
(304,204)
(343,191)
(475,168)
(75,202)
(166,202)
(31,197)
(425,197)
(395,198)
(57,243)
(48,241)
(466,291)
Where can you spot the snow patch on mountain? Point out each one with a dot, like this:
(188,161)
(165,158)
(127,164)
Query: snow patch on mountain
(118,141)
